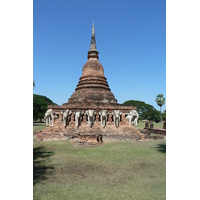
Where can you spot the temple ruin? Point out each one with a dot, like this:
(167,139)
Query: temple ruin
(92,96)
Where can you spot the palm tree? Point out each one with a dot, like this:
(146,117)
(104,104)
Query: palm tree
(160,100)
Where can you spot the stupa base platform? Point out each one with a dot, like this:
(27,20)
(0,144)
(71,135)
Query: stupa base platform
(92,136)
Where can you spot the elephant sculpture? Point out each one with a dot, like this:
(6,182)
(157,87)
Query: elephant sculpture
(91,117)
(133,117)
(104,116)
(78,118)
(66,114)
(50,115)
(116,117)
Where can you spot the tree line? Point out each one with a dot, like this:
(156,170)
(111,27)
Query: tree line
(40,106)
(146,111)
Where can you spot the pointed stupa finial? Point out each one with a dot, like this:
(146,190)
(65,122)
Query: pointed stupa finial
(93,33)
(93,53)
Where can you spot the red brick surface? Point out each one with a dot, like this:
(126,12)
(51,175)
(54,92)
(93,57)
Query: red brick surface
(92,85)
(59,132)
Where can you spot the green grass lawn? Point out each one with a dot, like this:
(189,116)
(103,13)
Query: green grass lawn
(116,170)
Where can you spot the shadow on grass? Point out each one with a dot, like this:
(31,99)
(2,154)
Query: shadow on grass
(161,148)
(40,168)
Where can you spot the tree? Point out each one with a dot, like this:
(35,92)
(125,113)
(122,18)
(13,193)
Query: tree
(40,106)
(160,100)
(145,111)
(33,84)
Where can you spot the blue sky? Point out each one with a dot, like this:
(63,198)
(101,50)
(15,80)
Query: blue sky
(130,37)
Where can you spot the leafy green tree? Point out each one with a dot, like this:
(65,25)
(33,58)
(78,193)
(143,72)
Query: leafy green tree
(145,111)
(33,84)
(40,106)
(160,100)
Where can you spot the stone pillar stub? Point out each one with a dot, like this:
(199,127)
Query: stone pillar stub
(151,125)
(146,124)
(164,125)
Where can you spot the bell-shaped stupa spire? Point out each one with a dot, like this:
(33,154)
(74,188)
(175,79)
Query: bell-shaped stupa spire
(93,53)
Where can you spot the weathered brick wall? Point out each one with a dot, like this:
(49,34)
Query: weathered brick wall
(59,132)
(157,131)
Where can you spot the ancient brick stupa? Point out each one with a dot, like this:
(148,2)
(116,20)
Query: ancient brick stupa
(91,93)
(92,86)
